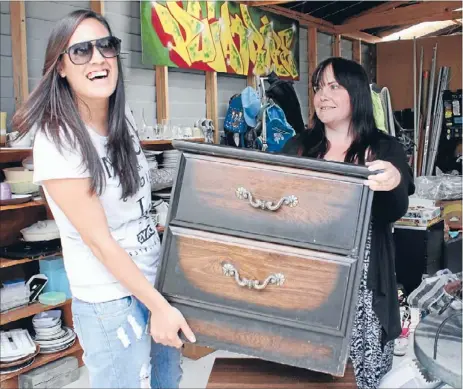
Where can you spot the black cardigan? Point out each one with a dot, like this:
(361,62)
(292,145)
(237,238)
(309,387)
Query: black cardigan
(386,209)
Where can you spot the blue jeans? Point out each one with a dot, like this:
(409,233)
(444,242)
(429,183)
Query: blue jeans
(118,349)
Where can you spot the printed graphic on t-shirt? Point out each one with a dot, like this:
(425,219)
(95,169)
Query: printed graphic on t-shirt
(145,239)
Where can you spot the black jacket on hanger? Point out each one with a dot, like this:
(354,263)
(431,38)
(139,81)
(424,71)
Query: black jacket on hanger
(283,93)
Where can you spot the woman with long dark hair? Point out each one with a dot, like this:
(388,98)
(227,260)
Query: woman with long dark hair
(88,159)
(344,130)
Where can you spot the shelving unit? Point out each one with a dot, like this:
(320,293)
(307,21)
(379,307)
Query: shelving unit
(8,155)
(32,203)
(7,262)
(28,213)
(158,142)
(13,219)
(10,380)
(27,311)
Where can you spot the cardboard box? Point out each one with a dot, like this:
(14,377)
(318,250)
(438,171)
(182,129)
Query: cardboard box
(425,213)
(416,222)
(452,213)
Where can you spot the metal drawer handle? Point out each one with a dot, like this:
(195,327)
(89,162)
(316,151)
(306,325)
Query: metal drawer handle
(229,270)
(244,194)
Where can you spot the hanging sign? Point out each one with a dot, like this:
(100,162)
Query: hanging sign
(220,36)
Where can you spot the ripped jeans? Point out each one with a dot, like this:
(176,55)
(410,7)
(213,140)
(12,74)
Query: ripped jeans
(118,350)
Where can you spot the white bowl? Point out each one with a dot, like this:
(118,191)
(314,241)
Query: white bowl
(18,174)
(23,187)
(41,231)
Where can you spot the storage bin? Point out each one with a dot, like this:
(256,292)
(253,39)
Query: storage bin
(58,281)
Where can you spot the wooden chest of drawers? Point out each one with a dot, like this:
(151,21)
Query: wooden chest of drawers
(263,253)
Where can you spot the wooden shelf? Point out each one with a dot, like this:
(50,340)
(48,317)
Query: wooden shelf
(32,203)
(43,359)
(6,262)
(8,155)
(26,311)
(167,141)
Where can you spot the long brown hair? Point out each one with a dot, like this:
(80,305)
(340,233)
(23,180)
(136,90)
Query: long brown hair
(52,107)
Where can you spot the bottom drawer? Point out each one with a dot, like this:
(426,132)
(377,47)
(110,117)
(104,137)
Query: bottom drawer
(268,341)
(280,303)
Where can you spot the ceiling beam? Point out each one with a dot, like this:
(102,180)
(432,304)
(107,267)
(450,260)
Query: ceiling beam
(380,8)
(261,3)
(363,36)
(320,24)
(413,14)
(304,19)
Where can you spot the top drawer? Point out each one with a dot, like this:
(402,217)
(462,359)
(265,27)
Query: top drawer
(293,206)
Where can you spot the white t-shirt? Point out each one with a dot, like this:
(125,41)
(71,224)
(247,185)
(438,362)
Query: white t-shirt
(128,219)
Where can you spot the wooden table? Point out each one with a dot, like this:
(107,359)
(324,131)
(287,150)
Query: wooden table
(250,373)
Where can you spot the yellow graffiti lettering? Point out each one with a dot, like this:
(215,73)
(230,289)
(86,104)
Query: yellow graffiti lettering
(211,10)
(256,41)
(207,51)
(193,8)
(218,63)
(229,48)
(265,57)
(275,51)
(190,24)
(287,58)
(223,41)
(238,31)
(171,27)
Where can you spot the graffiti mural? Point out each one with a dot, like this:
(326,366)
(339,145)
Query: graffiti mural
(221,36)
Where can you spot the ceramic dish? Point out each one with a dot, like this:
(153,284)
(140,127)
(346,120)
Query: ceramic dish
(16,199)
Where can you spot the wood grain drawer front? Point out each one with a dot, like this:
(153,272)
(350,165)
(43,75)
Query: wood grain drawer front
(299,286)
(322,211)
(269,341)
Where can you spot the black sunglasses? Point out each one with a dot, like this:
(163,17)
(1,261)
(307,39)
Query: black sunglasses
(82,52)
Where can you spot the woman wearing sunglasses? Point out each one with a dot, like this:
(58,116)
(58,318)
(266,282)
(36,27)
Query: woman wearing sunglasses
(88,159)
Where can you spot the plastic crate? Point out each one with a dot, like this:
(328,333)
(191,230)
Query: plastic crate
(58,281)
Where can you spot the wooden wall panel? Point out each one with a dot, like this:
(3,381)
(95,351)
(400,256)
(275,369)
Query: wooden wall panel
(395,65)
(312,53)
(357,51)
(19,51)
(211,102)
(337,45)
(162,93)
(97,6)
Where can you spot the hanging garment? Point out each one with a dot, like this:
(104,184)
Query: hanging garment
(378,111)
(282,92)
(276,131)
(386,99)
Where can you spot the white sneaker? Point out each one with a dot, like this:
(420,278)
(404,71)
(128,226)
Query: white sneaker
(401,343)
(401,346)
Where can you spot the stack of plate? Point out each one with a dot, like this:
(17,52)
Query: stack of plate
(152,158)
(17,350)
(49,334)
(162,195)
(170,158)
